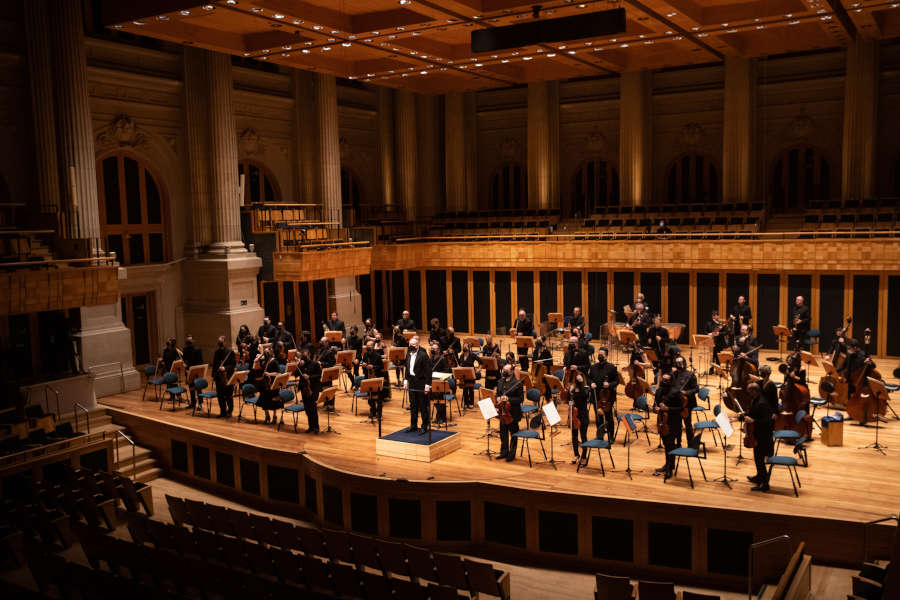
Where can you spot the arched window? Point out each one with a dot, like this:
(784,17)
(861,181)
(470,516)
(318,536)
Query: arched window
(692,178)
(259,183)
(508,187)
(349,196)
(132,210)
(800,175)
(596,185)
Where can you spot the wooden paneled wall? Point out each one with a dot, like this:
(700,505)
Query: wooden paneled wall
(29,291)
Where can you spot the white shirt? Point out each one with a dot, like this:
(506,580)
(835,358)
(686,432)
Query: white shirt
(412,362)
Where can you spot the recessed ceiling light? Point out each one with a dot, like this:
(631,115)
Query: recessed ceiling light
(231,2)
(266,51)
(138,22)
(582,6)
(297,21)
(671,14)
(334,32)
(185,13)
(571,52)
(401,28)
(286,47)
(278,16)
(623,46)
(794,22)
(476,16)
(478,64)
(263,58)
(404,2)
(563,47)
(551,55)
(423,72)
(162,18)
(208,7)
(285,54)
(117,26)
(326,48)
(317,27)
(346,44)
(527,57)
(246,54)
(256,9)
(305,51)
(332,40)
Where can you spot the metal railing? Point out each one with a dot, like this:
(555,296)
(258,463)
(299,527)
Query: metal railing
(87,417)
(25,455)
(92,368)
(867,526)
(58,394)
(130,441)
(786,539)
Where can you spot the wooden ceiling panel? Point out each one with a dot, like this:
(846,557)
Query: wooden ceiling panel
(426,45)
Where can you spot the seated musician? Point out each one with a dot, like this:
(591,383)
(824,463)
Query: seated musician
(223,366)
(604,376)
(305,341)
(541,353)
(717,329)
(838,344)
(311,373)
(373,366)
(439,364)
(795,370)
(284,336)
(657,339)
(405,324)
(523,326)
(576,358)
(744,343)
(856,360)
(335,324)
(169,354)
(579,394)
(355,343)
(266,331)
(761,416)
(583,341)
(243,336)
(768,389)
(639,321)
(669,400)
(369,330)
(467,359)
(380,348)
(685,380)
(452,342)
(489,348)
(577,320)
(436,333)
(269,398)
(639,357)
(639,299)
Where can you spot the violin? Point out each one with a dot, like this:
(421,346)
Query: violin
(662,420)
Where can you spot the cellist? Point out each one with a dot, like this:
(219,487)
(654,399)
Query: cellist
(856,360)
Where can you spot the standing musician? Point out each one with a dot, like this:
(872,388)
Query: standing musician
(639,321)
(453,343)
(223,368)
(741,314)
(467,359)
(838,344)
(406,324)
(355,343)
(717,329)
(583,343)
(311,372)
(684,380)
(576,358)
(799,324)
(657,339)
(266,332)
(268,398)
(761,416)
(604,376)
(439,364)
(491,350)
(509,388)
(373,366)
(437,333)
(579,393)
(192,357)
(744,342)
(335,324)
(639,299)
(577,320)
(170,354)
(669,401)
(768,389)
(418,382)
(541,353)
(523,326)
(856,359)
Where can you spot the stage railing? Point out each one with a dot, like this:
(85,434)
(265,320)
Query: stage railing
(871,524)
(133,452)
(628,236)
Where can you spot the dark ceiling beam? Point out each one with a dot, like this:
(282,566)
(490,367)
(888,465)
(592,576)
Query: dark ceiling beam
(843,18)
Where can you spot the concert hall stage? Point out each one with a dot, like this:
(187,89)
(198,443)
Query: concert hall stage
(467,502)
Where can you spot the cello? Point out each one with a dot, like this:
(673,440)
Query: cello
(866,403)
(741,369)
(794,397)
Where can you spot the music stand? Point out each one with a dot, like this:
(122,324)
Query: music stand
(726,357)
(490,364)
(292,354)
(178,368)
(878,389)
(325,396)
(397,355)
(725,430)
(345,358)
(488,412)
(809,359)
(441,387)
(651,355)
(465,377)
(553,419)
(523,341)
(783,333)
(705,343)
(473,342)
(329,375)
(334,337)
(408,334)
(236,380)
(373,386)
(628,419)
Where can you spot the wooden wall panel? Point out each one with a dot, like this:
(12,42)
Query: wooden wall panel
(325,264)
(30,291)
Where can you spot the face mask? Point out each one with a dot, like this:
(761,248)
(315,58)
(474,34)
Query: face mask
(572,347)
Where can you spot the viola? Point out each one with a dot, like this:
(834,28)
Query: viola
(750,440)
(662,420)
(504,412)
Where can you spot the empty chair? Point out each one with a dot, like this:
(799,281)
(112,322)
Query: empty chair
(450,571)
(392,558)
(484,579)
(421,565)
(170,380)
(692,451)
(365,552)
(656,590)
(201,384)
(609,587)
(248,396)
(338,546)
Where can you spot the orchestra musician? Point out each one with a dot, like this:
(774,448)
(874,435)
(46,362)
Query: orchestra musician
(170,354)
(369,330)
(604,376)
(223,365)
(266,331)
(405,323)
(439,364)
(373,365)
(741,314)
(467,359)
(577,320)
(576,358)
(523,326)
(436,333)
(761,416)
(657,339)
(311,372)
(669,400)
(452,343)
(509,388)
(744,342)
(716,328)
(640,321)
(491,350)
(541,353)
(335,324)
(639,299)
(326,356)
(243,336)
(768,389)
(583,342)
(269,398)
(856,359)
(283,336)
(355,343)
(800,324)
(418,382)
(305,341)
(684,380)
(839,343)
(192,357)
(579,393)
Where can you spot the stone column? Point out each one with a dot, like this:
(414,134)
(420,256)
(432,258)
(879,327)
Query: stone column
(738,146)
(430,181)
(543,144)
(386,147)
(860,120)
(406,150)
(635,128)
(329,147)
(224,192)
(75,133)
(307,135)
(196,104)
(43,119)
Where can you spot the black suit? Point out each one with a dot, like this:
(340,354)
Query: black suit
(761,413)
(687,382)
(224,358)
(418,375)
(336,325)
(192,356)
(600,374)
(313,371)
(406,325)
(266,331)
(577,322)
(738,311)
(523,327)
(512,389)
(374,360)
(670,397)
(800,326)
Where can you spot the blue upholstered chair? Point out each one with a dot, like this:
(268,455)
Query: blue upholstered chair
(170,380)
(152,379)
(713,425)
(789,435)
(785,461)
(358,394)
(692,451)
(295,408)
(534,396)
(201,384)
(529,434)
(248,396)
(597,445)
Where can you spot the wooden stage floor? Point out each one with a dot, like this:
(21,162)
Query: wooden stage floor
(847,483)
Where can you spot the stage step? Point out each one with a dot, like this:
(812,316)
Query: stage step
(146,467)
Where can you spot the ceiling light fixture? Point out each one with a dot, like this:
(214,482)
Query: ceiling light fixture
(317,27)
(138,23)
(231,2)
(326,48)
(185,13)
(527,57)
(571,52)
(208,7)
(405,2)
(551,55)
(305,51)
(671,14)
(162,18)
(256,9)
(278,16)
(346,44)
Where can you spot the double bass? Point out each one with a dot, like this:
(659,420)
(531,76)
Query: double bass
(637,384)
(867,402)
(794,397)
(741,370)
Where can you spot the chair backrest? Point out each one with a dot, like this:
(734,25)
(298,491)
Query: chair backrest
(610,587)
(656,590)
(170,378)
(799,415)
(150,370)
(200,384)
(286,395)
(248,389)
(482,579)
(717,409)
(695,441)
(703,394)
(533,395)
(640,403)
(451,571)
(559,374)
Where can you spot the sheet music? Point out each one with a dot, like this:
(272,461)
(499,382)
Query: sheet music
(488,410)
(724,424)
(551,413)
(441,376)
